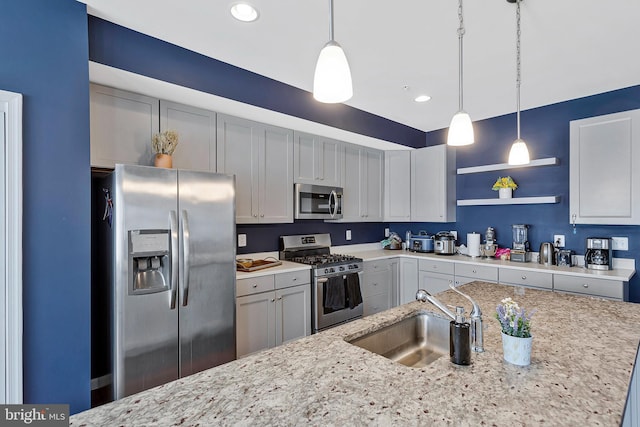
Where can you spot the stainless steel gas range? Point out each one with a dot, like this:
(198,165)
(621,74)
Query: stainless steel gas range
(335,279)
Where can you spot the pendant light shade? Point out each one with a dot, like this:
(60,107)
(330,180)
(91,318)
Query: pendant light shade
(332,78)
(519,154)
(460,129)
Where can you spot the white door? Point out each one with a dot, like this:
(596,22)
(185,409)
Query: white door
(11,247)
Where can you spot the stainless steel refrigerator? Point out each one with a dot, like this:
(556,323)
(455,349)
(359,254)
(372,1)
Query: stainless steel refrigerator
(169,241)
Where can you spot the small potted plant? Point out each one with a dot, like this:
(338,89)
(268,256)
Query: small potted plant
(504,186)
(516,332)
(164,144)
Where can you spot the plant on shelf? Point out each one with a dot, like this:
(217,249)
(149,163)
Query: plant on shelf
(504,182)
(164,144)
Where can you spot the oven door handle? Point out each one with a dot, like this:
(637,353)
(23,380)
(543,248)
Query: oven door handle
(323,280)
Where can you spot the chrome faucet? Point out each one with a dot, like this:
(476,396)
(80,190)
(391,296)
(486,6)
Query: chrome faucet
(476,316)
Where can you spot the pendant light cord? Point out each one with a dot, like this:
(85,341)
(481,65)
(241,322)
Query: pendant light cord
(460,35)
(518,77)
(331,20)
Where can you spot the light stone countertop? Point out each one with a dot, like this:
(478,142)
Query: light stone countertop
(583,354)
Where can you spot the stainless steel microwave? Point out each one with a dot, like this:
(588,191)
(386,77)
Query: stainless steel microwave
(317,202)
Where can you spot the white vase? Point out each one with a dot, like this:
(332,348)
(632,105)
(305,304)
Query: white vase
(516,350)
(505,193)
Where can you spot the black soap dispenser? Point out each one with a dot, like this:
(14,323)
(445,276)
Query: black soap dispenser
(459,339)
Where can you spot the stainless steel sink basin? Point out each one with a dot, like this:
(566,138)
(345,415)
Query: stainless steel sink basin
(415,341)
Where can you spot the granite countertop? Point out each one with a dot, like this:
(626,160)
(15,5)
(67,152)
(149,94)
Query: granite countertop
(582,359)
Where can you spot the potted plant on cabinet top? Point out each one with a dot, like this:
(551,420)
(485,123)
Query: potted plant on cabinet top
(504,186)
(164,144)
(516,332)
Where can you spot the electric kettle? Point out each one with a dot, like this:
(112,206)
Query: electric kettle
(546,255)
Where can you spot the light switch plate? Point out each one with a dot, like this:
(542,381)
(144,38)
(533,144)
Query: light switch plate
(242,240)
(620,243)
(348,235)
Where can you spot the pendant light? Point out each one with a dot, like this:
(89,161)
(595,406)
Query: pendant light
(460,129)
(519,154)
(332,79)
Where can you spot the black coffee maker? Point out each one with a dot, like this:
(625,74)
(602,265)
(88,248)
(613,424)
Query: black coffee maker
(599,255)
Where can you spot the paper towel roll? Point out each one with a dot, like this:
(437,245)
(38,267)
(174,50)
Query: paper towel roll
(473,244)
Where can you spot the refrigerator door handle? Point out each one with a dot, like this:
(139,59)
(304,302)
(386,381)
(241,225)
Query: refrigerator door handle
(185,250)
(173,223)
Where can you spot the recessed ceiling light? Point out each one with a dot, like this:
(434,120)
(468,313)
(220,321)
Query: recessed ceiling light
(422,98)
(244,12)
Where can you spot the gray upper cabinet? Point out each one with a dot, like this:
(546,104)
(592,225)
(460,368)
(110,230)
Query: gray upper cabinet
(122,125)
(196,128)
(604,178)
(362,184)
(433,184)
(261,158)
(397,186)
(318,160)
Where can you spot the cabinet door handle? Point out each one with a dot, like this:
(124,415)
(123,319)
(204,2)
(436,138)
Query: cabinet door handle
(584,285)
(272,300)
(261,215)
(254,286)
(279,298)
(474,271)
(524,277)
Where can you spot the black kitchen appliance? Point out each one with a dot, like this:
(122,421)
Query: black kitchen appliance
(599,255)
(328,272)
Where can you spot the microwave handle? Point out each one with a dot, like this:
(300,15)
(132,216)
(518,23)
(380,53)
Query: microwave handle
(333,201)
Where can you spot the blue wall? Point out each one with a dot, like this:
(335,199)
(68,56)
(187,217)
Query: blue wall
(44,56)
(546,130)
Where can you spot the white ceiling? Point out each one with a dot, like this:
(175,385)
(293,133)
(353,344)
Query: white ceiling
(570,48)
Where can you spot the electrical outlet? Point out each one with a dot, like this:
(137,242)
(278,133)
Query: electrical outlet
(620,243)
(455,234)
(242,240)
(348,235)
(386,232)
(558,240)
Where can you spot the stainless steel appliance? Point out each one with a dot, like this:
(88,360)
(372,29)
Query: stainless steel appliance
(520,251)
(564,257)
(489,247)
(546,255)
(317,202)
(335,279)
(423,242)
(599,255)
(445,243)
(168,240)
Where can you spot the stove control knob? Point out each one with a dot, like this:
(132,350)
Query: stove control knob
(326,271)
(341,268)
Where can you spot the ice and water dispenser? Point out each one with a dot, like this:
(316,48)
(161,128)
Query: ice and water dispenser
(149,261)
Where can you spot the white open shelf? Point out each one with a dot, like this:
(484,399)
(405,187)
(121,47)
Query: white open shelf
(549,161)
(512,201)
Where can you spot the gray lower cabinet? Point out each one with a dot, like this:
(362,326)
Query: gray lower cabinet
(362,184)
(532,279)
(466,273)
(121,124)
(378,285)
(435,276)
(261,158)
(196,128)
(613,289)
(272,310)
(318,160)
(408,284)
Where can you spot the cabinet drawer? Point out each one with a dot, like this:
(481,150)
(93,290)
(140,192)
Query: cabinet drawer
(375,304)
(254,285)
(285,280)
(479,272)
(376,283)
(436,266)
(535,279)
(374,266)
(589,286)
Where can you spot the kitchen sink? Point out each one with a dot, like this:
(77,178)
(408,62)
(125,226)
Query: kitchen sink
(415,341)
